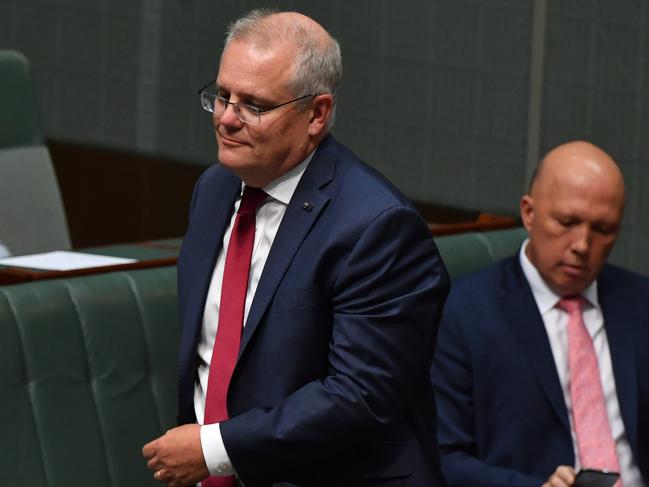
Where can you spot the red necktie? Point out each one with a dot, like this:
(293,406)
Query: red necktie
(594,439)
(231,312)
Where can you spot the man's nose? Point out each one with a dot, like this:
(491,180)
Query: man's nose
(581,240)
(228,117)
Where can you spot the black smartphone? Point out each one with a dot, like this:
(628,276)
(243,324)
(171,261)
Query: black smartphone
(589,477)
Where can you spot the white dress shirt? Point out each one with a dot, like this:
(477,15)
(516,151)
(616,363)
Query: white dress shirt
(269,216)
(556,324)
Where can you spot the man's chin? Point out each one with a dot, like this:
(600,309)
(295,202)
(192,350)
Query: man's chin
(572,286)
(233,157)
(575,272)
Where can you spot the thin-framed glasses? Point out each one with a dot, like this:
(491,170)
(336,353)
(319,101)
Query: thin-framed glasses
(213,102)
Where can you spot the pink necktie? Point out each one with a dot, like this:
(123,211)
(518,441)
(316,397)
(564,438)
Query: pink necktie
(590,419)
(231,312)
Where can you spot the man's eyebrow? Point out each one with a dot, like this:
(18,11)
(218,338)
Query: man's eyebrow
(247,97)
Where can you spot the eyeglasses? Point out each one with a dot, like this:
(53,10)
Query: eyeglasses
(213,102)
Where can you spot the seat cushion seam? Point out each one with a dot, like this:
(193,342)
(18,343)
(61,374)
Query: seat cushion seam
(86,341)
(149,371)
(30,384)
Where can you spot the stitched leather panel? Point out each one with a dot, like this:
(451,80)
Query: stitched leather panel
(91,374)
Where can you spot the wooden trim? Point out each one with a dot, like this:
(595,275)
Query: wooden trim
(484,222)
(17,275)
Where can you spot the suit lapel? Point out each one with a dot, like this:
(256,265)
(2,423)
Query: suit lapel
(618,322)
(527,326)
(302,212)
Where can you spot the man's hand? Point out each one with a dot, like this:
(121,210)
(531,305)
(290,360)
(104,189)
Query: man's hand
(563,476)
(176,458)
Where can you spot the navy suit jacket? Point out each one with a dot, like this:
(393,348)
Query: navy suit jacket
(331,386)
(502,415)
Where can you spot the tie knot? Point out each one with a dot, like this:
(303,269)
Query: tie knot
(251,200)
(571,305)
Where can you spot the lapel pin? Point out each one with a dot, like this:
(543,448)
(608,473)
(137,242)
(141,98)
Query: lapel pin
(307,206)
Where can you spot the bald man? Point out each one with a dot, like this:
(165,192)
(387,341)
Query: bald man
(541,360)
(339,294)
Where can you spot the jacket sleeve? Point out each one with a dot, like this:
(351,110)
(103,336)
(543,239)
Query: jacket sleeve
(452,377)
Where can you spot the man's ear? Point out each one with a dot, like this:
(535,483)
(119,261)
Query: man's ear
(527,211)
(320,113)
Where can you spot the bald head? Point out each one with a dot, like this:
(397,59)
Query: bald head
(580,163)
(572,214)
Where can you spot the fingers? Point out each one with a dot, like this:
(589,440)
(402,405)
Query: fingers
(165,477)
(154,464)
(149,449)
(563,476)
(150,452)
(176,458)
(566,474)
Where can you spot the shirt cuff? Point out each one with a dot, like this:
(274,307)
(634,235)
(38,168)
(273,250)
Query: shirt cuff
(216,458)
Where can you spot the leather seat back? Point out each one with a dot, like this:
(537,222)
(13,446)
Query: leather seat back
(464,253)
(88,376)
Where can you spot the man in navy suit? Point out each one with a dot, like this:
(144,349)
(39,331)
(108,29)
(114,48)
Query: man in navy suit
(331,385)
(506,394)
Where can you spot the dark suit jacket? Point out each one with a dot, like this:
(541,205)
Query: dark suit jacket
(502,415)
(331,386)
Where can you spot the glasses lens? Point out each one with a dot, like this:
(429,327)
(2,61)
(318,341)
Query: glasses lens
(212,102)
(219,103)
(207,101)
(247,114)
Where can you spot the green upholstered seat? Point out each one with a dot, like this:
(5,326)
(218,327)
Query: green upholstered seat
(467,252)
(88,368)
(20,121)
(503,243)
(32,217)
(87,376)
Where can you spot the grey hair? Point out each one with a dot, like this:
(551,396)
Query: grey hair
(317,68)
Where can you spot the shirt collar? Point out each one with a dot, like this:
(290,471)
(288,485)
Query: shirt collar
(545,298)
(282,188)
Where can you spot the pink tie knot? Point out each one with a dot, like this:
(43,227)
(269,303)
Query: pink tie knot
(251,200)
(571,305)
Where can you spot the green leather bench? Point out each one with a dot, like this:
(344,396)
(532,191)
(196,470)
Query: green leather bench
(88,368)
(467,252)
(87,376)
